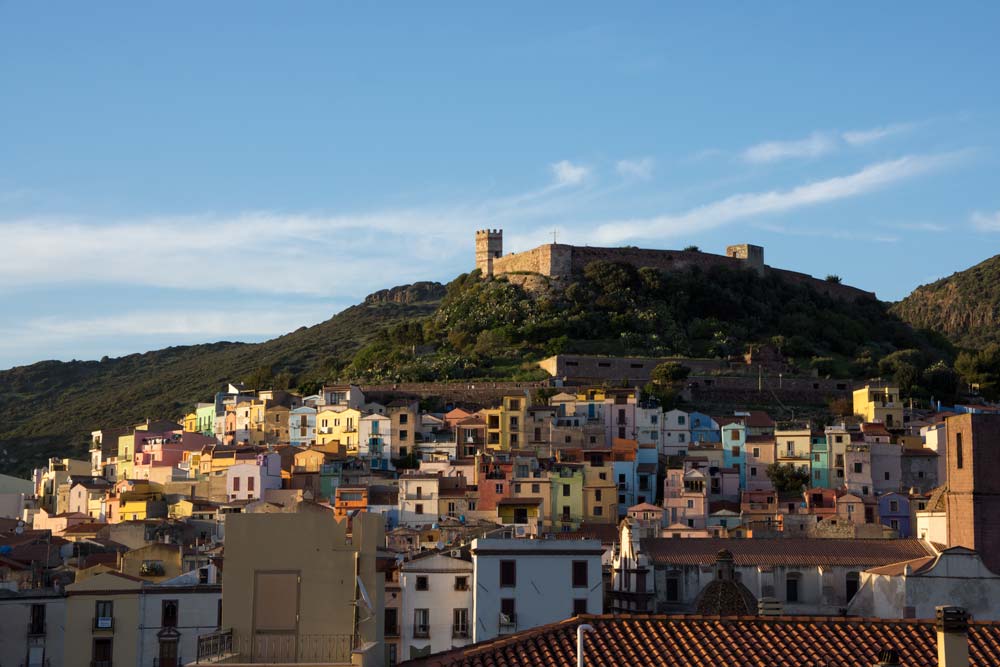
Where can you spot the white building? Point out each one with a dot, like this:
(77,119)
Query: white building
(302,426)
(647,424)
(521,584)
(912,589)
(675,433)
(436,613)
(345,395)
(418,499)
(375,440)
(249,481)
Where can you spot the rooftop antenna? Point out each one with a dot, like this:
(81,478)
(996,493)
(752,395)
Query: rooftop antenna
(555,235)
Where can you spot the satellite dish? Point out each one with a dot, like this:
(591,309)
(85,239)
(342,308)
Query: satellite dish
(20,528)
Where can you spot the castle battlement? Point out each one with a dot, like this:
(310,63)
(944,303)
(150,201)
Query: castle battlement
(560,262)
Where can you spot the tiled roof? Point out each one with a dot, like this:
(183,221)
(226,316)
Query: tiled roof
(702,641)
(784,551)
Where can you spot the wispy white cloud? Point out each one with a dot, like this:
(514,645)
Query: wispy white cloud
(837,234)
(919,226)
(815,145)
(742,206)
(986,221)
(566,173)
(819,143)
(862,137)
(200,323)
(641,169)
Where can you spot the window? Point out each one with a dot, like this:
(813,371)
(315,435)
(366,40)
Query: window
(565,490)
(893,505)
(756,452)
(508,574)
(735,452)
(104,612)
(421,623)
(404,435)
(858,466)
(753,471)
(690,504)
(816,458)
(579,606)
(461,583)
(536,488)
(816,475)
(391,622)
(894,524)
(959,458)
(168,613)
(517,488)
(422,584)
(680,437)
(498,488)
(36,622)
(250,483)
(792,587)
(864,490)
(579,574)
(598,511)
(460,623)
(887,474)
(508,615)
(418,508)
(236,483)
(472,505)
(681,419)
(404,418)
(103,651)
(673,589)
(852,584)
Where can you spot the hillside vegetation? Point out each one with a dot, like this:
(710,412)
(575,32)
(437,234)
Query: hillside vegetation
(965,306)
(49,408)
(475,328)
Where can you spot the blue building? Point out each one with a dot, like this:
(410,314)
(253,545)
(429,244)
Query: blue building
(704,428)
(734,440)
(820,462)
(894,511)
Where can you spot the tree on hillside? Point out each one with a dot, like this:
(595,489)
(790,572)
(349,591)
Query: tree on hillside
(669,372)
(786,478)
(981,368)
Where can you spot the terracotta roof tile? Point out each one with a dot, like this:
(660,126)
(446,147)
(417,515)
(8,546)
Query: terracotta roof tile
(703,641)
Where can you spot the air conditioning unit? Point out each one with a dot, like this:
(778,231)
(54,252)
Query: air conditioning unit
(456,553)
(520,531)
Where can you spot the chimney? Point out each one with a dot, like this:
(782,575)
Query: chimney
(952,636)
(887,657)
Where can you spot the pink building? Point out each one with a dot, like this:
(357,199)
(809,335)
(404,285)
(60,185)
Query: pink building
(760,453)
(685,498)
(156,457)
(250,479)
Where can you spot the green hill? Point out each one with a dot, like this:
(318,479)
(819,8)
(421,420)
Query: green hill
(474,328)
(49,408)
(965,306)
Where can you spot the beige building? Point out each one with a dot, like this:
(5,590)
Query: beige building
(297,590)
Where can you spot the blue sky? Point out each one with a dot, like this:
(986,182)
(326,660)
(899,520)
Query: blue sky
(193,172)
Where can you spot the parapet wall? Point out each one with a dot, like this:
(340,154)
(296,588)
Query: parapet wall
(561,262)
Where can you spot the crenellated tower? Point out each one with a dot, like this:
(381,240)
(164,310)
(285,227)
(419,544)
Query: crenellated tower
(489,246)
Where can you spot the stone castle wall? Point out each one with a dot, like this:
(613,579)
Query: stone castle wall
(561,262)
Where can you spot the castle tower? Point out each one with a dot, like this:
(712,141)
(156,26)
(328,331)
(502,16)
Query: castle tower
(489,246)
(753,255)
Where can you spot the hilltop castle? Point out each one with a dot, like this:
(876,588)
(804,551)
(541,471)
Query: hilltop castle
(560,262)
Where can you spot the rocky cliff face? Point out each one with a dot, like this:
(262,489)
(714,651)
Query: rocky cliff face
(406,294)
(965,306)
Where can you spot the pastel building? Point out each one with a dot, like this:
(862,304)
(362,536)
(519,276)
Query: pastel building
(675,434)
(734,437)
(251,479)
(302,426)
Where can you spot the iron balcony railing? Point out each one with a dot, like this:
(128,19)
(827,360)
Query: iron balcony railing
(231,646)
(507,624)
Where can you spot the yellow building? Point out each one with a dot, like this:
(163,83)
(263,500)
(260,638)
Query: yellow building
(156,562)
(879,403)
(93,609)
(339,425)
(507,424)
(600,492)
(191,422)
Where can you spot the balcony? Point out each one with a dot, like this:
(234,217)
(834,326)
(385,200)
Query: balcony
(507,624)
(421,632)
(104,623)
(460,632)
(231,648)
